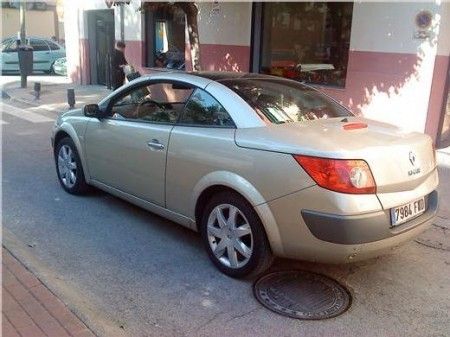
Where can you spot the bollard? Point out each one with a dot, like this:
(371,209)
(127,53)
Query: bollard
(71,97)
(37,90)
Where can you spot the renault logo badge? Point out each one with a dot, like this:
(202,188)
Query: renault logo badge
(412,158)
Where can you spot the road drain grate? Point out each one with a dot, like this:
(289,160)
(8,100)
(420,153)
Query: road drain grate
(302,294)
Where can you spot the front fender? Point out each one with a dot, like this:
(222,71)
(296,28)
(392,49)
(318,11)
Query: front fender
(77,135)
(250,193)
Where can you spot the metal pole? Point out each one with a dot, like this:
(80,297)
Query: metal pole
(122,22)
(23,4)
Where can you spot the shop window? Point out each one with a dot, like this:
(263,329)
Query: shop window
(307,41)
(165,37)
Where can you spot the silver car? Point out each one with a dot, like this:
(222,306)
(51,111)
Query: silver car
(261,166)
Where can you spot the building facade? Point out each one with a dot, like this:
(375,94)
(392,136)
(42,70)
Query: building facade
(41,18)
(385,61)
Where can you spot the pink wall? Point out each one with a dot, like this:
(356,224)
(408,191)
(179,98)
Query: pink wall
(134,53)
(215,57)
(369,70)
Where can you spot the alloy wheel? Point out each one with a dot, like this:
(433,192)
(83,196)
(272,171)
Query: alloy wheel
(67,166)
(230,236)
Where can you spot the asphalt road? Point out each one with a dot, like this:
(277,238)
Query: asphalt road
(127,272)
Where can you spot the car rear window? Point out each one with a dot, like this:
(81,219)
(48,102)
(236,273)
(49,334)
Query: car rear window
(282,101)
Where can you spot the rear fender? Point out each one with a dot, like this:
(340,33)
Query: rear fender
(250,193)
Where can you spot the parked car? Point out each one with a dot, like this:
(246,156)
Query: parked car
(261,166)
(60,66)
(45,53)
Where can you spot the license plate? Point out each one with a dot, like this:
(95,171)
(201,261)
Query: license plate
(406,212)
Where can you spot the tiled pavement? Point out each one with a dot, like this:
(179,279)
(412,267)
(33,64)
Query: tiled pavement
(30,309)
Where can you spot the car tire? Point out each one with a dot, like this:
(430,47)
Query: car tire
(260,258)
(68,167)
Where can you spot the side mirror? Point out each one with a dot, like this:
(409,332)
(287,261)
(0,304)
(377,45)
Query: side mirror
(93,110)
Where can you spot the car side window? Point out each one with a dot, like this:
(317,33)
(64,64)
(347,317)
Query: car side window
(39,45)
(160,102)
(204,110)
(9,46)
(53,45)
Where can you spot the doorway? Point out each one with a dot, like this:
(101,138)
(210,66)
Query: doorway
(101,45)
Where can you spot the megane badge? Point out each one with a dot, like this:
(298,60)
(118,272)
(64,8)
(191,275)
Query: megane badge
(412,160)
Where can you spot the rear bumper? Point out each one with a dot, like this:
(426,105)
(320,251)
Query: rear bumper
(358,229)
(324,226)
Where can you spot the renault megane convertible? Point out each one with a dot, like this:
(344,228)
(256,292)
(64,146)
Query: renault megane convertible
(261,166)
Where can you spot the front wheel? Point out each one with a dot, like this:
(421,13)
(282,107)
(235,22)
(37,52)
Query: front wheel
(234,236)
(51,70)
(68,167)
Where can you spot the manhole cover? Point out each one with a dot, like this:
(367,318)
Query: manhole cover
(301,294)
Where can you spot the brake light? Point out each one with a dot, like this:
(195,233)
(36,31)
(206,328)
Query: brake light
(339,175)
(354,126)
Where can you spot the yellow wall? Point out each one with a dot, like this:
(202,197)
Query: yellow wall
(38,23)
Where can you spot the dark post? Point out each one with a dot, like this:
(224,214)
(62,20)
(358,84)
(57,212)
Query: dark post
(37,90)
(71,97)
(25,55)
(22,8)
(108,70)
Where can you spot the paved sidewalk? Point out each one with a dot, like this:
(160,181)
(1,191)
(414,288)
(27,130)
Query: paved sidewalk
(53,95)
(29,309)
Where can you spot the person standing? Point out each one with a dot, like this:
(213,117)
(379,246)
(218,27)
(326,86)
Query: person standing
(118,62)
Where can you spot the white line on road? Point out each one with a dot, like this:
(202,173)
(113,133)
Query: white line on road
(24,114)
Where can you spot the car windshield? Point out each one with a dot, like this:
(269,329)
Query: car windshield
(282,101)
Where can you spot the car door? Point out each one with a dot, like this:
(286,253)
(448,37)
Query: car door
(200,143)
(128,150)
(10,58)
(41,55)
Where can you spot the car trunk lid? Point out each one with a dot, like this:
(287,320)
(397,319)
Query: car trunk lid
(399,160)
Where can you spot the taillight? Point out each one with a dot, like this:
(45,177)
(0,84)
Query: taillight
(354,126)
(340,175)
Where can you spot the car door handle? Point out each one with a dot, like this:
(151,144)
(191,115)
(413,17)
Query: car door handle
(155,144)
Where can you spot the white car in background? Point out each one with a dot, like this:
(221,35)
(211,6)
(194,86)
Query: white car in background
(45,53)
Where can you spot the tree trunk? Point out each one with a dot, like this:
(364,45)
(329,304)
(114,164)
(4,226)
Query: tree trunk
(191,11)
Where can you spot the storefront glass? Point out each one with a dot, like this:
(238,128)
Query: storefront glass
(307,41)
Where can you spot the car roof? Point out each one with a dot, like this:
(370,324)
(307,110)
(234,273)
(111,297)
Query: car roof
(28,37)
(243,115)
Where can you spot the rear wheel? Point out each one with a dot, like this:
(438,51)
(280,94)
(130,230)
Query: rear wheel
(68,167)
(234,236)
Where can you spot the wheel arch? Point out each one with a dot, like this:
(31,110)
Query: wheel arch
(220,181)
(66,130)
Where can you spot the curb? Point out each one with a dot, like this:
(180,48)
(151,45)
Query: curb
(5,94)
(24,101)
